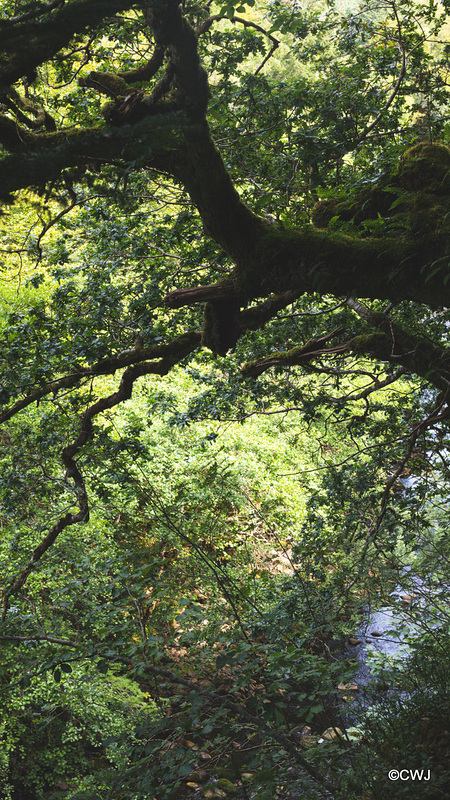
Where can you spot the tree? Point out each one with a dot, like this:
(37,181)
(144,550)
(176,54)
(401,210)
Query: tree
(309,208)
(156,121)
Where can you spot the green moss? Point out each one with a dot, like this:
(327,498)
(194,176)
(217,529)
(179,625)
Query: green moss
(425,166)
(107,83)
(375,343)
(413,205)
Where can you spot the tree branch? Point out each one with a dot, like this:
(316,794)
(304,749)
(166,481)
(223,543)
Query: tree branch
(42,157)
(387,342)
(72,470)
(176,349)
(30,44)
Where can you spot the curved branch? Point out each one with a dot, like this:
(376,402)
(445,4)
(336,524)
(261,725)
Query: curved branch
(73,472)
(390,99)
(147,71)
(207,23)
(32,44)
(176,349)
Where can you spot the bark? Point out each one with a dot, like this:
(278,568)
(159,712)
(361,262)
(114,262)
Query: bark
(25,46)
(413,265)
(384,341)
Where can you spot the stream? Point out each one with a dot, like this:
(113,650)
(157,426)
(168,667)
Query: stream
(379,632)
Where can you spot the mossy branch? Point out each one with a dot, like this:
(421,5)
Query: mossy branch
(26,45)
(156,140)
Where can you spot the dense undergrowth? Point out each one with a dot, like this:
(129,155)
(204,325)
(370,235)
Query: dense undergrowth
(195,636)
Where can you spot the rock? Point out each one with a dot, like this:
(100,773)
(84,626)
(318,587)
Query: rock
(376,633)
(199,776)
(306,730)
(354,641)
(211,792)
(332,734)
(354,734)
(226,786)
(408,598)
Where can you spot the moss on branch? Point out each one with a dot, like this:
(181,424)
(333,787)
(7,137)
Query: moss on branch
(414,200)
(29,44)
(43,156)
(411,262)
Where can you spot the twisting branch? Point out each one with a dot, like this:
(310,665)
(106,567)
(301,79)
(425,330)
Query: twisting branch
(73,472)
(73,203)
(175,349)
(32,14)
(397,84)
(21,106)
(51,35)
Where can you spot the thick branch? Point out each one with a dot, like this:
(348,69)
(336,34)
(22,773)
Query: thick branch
(412,266)
(43,157)
(30,44)
(200,294)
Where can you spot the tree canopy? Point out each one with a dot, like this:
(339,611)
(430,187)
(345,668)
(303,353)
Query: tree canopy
(165,118)
(254,192)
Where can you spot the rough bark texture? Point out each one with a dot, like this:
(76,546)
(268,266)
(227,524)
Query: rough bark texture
(166,127)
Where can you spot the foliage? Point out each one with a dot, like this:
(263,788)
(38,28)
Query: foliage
(197,503)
